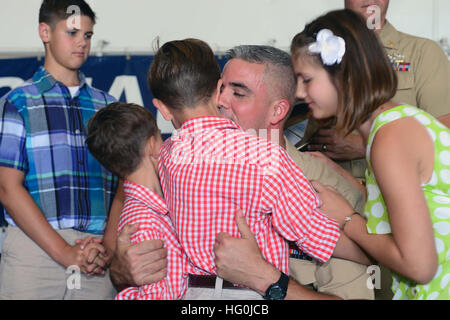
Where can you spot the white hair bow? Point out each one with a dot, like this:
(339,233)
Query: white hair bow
(330,47)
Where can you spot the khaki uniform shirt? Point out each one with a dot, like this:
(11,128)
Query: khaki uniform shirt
(338,277)
(422,70)
(427,83)
(317,170)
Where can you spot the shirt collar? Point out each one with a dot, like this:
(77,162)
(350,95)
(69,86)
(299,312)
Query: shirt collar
(45,81)
(146,196)
(389,36)
(207,123)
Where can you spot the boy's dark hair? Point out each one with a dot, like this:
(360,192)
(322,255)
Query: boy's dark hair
(53,11)
(184,73)
(117,135)
(364,79)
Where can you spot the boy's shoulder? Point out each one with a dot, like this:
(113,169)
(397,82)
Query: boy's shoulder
(18,95)
(144,207)
(101,94)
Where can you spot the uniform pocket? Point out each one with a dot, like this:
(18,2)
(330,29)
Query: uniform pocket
(405,80)
(406,93)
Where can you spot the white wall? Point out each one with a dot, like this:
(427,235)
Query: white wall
(132,25)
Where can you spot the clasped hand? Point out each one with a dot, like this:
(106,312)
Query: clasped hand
(89,254)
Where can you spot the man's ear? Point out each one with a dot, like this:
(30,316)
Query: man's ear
(165,111)
(280,111)
(219,85)
(44,32)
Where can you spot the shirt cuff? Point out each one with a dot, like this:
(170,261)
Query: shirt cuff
(321,238)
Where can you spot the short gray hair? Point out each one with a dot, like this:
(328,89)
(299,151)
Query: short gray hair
(279,70)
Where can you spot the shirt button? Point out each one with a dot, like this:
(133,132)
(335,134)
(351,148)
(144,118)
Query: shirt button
(77,131)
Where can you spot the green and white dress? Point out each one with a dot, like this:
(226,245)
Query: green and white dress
(437,194)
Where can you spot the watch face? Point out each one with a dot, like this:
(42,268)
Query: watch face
(276,293)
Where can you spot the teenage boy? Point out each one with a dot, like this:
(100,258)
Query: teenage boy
(126,141)
(56,195)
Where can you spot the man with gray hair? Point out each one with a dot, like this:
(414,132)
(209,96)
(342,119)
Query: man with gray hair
(257,91)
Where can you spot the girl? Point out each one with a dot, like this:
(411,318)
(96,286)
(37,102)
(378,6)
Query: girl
(344,75)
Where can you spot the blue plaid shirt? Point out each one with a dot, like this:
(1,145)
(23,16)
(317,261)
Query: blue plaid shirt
(42,133)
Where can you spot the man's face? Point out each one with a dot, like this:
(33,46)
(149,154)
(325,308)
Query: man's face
(243,96)
(361,6)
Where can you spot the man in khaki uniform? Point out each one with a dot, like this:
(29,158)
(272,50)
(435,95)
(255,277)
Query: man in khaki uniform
(338,277)
(423,72)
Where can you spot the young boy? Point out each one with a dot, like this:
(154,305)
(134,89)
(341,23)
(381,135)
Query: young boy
(54,192)
(126,141)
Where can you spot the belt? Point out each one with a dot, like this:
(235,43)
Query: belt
(208,281)
(296,253)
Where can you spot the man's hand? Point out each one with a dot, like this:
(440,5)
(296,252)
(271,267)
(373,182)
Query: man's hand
(336,146)
(239,260)
(139,264)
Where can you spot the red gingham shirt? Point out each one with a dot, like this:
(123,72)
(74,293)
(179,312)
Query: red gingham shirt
(146,208)
(210,168)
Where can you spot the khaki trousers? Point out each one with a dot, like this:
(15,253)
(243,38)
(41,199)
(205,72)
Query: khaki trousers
(28,273)
(342,278)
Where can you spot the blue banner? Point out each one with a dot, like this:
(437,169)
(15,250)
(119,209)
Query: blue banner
(124,77)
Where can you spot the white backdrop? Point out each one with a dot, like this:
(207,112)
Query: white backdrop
(132,25)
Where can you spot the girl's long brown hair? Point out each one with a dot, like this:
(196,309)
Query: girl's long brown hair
(364,79)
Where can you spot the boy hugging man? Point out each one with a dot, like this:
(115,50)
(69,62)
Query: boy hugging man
(126,141)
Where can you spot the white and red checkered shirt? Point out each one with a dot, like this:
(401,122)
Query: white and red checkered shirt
(210,168)
(146,208)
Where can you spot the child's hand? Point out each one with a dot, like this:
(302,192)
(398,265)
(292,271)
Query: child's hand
(97,257)
(75,255)
(333,204)
(84,242)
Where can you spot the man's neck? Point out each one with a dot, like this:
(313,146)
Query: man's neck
(276,136)
(382,25)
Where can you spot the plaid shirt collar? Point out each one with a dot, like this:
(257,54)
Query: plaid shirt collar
(45,81)
(146,196)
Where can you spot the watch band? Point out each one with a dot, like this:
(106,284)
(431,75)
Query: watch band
(278,290)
